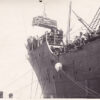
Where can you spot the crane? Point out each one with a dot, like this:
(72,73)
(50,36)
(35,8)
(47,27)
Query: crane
(96,20)
(84,23)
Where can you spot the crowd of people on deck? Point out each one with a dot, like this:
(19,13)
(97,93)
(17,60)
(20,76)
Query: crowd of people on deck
(83,39)
(35,42)
(55,38)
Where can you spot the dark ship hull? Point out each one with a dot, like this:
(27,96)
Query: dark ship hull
(80,77)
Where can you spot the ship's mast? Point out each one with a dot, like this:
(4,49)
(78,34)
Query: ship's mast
(68,27)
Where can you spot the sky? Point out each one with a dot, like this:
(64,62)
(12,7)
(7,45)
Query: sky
(16,26)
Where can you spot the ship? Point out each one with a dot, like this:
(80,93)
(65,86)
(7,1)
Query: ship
(70,70)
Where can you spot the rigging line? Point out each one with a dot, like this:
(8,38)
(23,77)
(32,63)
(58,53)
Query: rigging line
(20,95)
(80,85)
(23,87)
(31,87)
(44,12)
(44,8)
(20,89)
(37,80)
(18,78)
(36,89)
(44,85)
(79,29)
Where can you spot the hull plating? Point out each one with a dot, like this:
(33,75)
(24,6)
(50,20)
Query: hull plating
(82,66)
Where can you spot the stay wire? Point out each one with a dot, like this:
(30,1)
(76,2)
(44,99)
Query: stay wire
(15,80)
(31,87)
(24,87)
(36,89)
(80,85)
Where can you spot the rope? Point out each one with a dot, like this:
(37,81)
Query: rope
(25,86)
(44,85)
(18,78)
(36,89)
(80,85)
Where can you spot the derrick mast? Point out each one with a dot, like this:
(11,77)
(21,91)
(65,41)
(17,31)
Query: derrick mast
(94,23)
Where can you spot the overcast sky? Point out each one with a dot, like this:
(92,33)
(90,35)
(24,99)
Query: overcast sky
(15,27)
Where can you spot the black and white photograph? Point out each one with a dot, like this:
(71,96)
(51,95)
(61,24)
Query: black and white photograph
(49,49)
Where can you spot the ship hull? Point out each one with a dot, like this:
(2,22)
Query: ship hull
(80,77)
